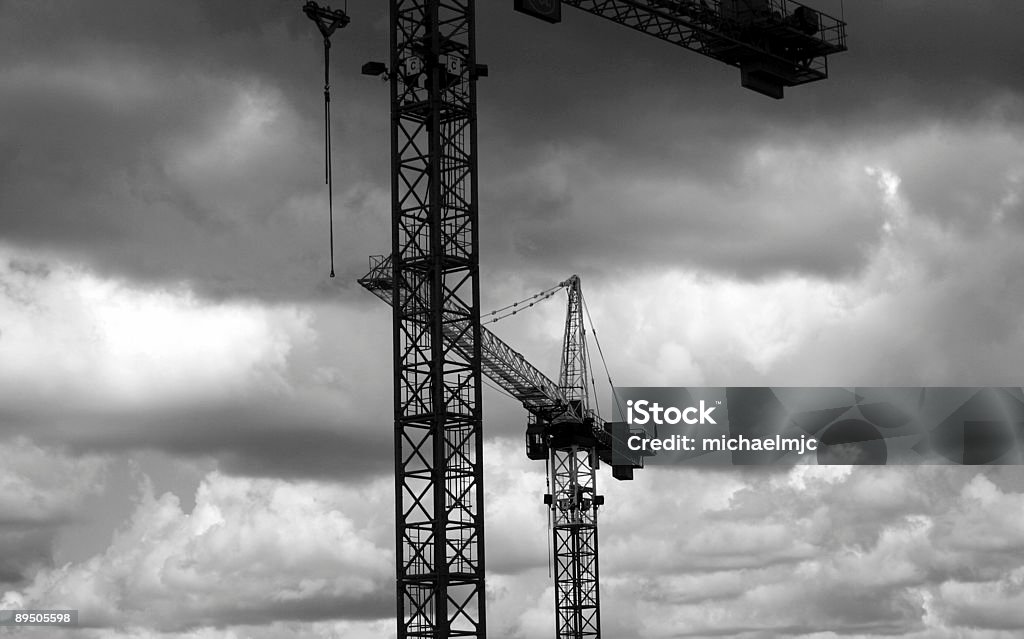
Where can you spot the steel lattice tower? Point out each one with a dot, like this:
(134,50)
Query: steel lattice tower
(577,611)
(438,446)
(574,499)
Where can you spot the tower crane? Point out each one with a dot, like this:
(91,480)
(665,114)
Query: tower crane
(573,457)
(433,74)
(565,432)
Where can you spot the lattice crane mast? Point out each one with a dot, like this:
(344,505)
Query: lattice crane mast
(433,74)
(574,501)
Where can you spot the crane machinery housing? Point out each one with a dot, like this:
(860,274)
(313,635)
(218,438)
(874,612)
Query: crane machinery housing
(438,340)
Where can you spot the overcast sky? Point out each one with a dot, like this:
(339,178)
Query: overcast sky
(195,427)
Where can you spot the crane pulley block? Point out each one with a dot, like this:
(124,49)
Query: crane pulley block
(327,20)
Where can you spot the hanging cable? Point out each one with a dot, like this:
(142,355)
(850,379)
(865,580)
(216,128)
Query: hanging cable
(327,145)
(327,21)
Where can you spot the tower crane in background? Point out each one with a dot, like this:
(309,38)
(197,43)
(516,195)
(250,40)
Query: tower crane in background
(434,263)
(568,434)
(564,431)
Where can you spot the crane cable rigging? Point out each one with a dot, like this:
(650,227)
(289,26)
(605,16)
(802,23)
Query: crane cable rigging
(515,307)
(523,304)
(528,302)
(327,20)
(604,363)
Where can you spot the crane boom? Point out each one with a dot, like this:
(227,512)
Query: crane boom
(774,43)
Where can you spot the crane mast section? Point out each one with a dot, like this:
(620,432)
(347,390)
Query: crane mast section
(439,537)
(574,504)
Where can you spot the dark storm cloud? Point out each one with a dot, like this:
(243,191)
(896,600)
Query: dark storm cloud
(590,79)
(172,142)
(125,142)
(648,121)
(590,211)
(25,549)
(42,490)
(273,439)
(300,439)
(110,368)
(378,605)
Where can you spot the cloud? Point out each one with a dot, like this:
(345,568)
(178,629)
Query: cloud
(931,300)
(197,157)
(41,490)
(250,551)
(168,159)
(105,365)
(779,205)
(302,558)
(515,514)
(861,552)
(107,343)
(39,486)
(992,605)
(760,217)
